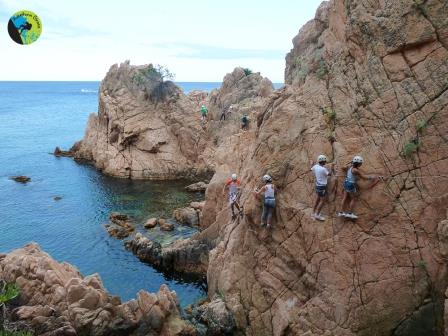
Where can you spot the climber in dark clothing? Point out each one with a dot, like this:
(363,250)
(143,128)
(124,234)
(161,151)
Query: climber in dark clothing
(245,122)
(223,113)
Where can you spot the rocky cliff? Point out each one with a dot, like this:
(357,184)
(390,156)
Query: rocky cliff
(147,128)
(368,78)
(364,77)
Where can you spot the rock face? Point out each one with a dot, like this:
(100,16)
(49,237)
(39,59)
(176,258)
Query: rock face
(57,300)
(135,136)
(368,78)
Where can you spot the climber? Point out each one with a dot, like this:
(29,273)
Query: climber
(223,113)
(204,113)
(351,188)
(321,173)
(245,122)
(269,200)
(233,184)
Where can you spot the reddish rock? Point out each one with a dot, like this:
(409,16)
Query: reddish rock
(87,308)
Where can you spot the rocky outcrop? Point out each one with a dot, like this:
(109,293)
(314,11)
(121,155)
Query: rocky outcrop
(197,187)
(21,179)
(188,256)
(138,136)
(240,87)
(57,300)
(120,226)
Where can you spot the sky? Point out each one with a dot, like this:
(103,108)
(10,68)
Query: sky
(197,40)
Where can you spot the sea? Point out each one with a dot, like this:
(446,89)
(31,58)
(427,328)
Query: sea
(35,117)
(66,204)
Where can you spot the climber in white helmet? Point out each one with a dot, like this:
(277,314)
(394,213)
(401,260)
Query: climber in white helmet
(354,173)
(321,173)
(269,191)
(233,185)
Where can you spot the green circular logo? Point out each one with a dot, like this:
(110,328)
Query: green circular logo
(24,27)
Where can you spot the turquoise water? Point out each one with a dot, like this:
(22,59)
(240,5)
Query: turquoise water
(34,118)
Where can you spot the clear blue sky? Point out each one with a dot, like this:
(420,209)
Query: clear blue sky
(198,40)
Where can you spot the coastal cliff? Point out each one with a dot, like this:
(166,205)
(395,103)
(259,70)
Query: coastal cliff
(363,77)
(141,133)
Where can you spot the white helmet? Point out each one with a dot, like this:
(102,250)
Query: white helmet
(234,177)
(267,178)
(357,159)
(202,106)
(321,158)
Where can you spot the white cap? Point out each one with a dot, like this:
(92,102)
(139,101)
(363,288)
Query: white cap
(234,177)
(357,159)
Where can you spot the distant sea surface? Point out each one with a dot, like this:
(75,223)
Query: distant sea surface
(34,118)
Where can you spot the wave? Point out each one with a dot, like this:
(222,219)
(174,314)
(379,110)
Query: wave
(88,91)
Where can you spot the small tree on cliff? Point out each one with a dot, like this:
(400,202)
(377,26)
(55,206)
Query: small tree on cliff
(157,81)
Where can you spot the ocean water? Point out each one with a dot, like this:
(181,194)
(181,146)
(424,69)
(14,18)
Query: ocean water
(34,118)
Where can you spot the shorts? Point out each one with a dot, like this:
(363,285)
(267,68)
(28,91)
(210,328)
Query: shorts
(349,186)
(268,209)
(233,198)
(321,190)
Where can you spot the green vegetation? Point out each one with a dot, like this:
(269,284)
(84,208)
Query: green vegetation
(421,126)
(420,6)
(157,81)
(8,292)
(410,148)
(303,72)
(247,71)
(329,113)
(421,264)
(322,69)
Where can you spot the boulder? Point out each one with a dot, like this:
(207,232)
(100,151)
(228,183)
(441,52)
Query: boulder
(189,256)
(120,227)
(165,226)
(197,205)
(21,179)
(197,187)
(216,317)
(188,216)
(151,223)
(60,152)
(118,218)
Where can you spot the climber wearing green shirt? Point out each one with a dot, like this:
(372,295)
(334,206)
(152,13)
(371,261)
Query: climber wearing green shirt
(204,113)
